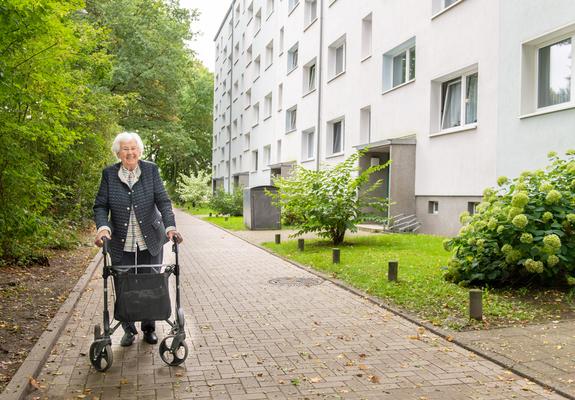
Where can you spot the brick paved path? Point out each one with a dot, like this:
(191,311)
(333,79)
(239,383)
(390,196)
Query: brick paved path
(250,339)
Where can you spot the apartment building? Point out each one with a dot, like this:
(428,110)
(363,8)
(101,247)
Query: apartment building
(454,92)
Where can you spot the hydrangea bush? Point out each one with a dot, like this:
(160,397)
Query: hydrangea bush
(522,233)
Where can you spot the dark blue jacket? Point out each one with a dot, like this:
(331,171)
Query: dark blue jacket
(149,199)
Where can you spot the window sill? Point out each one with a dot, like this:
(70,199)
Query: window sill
(437,14)
(292,10)
(248,64)
(365,58)
(248,106)
(456,129)
(268,117)
(334,155)
(280,109)
(310,24)
(256,78)
(333,78)
(235,62)
(256,124)
(291,130)
(269,15)
(308,160)
(291,70)
(331,2)
(549,110)
(308,93)
(398,86)
(268,67)
(258,31)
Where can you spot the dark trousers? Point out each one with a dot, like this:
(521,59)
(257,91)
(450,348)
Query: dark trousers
(141,257)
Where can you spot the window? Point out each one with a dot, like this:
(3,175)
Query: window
(249,56)
(248,97)
(254,160)
(247,141)
(241,124)
(268,106)
(554,73)
(267,155)
(433,207)
(234,164)
(237,52)
(308,144)
(310,12)
(243,42)
(366,29)
(291,119)
(292,4)
(258,22)
(399,65)
(270,7)
(365,125)
(309,79)
(292,58)
(459,101)
(547,72)
(335,136)
(240,163)
(281,40)
(257,67)
(269,54)
(336,58)
(472,207)
(236,89)
(280,95)
(256,114)
(250,12)
(279,151)
(237,13)
(235,128)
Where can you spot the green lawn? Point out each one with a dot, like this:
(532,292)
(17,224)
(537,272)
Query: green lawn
(197,210)
(233,223)
(421,288)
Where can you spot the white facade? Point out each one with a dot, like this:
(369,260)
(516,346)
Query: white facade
(446,89)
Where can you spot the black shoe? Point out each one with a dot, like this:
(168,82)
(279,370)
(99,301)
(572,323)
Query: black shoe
(127,339)
(150,337)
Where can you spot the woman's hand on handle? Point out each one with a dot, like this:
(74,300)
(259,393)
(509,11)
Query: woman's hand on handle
(175,236)
(99,237)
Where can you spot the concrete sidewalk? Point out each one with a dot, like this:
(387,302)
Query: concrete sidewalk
(257,332)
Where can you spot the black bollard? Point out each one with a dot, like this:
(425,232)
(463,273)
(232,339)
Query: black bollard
(225,218)
(476,304)
(392,271)
(335,256)
(300,244)
(210,215)
(278,238)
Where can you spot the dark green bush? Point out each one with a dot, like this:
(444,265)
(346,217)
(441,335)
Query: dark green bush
(228,203)
(523,233)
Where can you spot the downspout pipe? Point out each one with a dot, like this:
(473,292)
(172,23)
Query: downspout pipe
(319,86)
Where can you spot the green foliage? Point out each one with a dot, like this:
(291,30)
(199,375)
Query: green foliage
(194,189)
(72,75)
(51,73)
(228,203)
(329,201)
(523,232)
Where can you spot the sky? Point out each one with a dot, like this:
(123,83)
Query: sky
(212,13)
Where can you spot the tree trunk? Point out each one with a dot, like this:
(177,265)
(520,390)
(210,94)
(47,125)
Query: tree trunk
(337,236)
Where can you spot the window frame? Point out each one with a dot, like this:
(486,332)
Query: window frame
(341,42)
(530,72)
(290,58)
(306,142)
(288,125)
(307,71)
(388,67)
(330,137)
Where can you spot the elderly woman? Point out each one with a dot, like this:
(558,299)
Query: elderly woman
(133,210)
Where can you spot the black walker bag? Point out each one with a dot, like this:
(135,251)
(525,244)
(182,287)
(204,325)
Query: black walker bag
(142,296)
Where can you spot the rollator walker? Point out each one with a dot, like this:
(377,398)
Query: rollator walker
(140,296)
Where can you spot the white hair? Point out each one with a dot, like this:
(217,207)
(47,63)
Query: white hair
(126,137)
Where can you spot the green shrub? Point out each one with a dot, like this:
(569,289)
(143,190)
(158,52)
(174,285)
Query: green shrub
(523,232)
(228,203)
(329,201)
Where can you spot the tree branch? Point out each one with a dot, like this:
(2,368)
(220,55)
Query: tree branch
(34,55)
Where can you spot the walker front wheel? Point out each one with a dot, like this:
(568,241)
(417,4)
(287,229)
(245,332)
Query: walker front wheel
(173,357)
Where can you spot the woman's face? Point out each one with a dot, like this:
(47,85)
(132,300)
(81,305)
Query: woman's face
(129,154)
